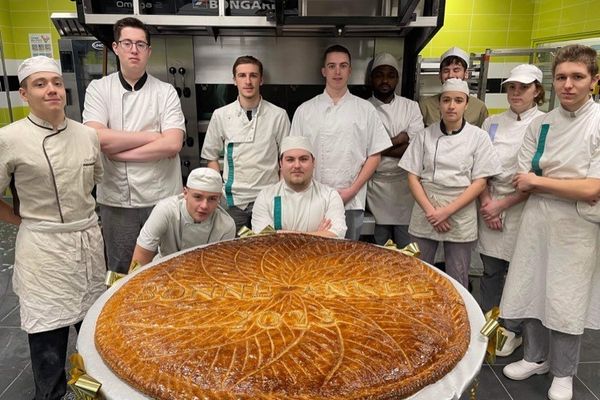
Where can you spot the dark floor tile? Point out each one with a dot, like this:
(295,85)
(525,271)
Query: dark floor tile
(22,387)
(12,319)
(536,387)
(8,303)
(8,376)
(5,278)
(14,348)
(589,375)
(489,387)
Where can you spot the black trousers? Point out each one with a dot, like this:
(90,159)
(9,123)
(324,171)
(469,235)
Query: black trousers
(48,357)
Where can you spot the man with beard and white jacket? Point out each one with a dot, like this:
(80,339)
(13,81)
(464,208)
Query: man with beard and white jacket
(388,196)
(298,202)
(59,253)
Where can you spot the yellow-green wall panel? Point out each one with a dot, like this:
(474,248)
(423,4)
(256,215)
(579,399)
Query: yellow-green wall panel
(490,24)
(518,7)
(572,20)
(24,5)
(491,7)
(480,24)
(30,19)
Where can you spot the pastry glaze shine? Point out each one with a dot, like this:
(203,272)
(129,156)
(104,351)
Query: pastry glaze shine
(285,316)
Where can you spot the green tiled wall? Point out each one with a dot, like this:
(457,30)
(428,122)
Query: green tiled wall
(19,18)
(557,20)
(476,25)
(33,16)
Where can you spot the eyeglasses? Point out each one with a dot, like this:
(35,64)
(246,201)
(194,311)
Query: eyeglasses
(128,45)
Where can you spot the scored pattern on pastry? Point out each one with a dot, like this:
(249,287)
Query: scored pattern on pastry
(284,316)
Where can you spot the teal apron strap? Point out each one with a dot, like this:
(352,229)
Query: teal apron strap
(229,184)
(535,162)
(277,212)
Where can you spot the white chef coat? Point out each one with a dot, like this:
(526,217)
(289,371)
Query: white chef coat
(447,165)
(554,274)
(151,105)
(171,228)
(299,211)
(59,253)
(506,132)
(388,196)
(343,135)
(251,148)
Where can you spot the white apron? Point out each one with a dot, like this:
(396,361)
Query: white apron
(463,222)
(554,275)
(500,244)
(59,272)
(389,198)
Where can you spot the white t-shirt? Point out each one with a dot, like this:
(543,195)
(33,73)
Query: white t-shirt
(170,228)
(153,106)
(343,136)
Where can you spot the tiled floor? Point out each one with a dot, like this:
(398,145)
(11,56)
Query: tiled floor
(16,381)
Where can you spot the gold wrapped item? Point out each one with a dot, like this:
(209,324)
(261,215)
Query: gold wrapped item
(84,386)
(493,331)
(412,249)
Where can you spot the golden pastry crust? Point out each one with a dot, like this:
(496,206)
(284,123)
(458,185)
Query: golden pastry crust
(286,316)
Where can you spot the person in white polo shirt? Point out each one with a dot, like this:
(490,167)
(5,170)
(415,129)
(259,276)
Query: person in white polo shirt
(186,220)
(141,127)
(388,196)
(249,133)
(454,63)
(299,203)
(346,134)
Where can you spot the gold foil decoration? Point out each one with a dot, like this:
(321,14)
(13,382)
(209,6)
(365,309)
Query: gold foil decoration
(268,230)
(135,264)
(411,250)
(492,330)
(473,390)
(112,277)
(84,386)
(245,232)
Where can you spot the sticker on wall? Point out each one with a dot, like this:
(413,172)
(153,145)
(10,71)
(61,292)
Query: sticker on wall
(40,44)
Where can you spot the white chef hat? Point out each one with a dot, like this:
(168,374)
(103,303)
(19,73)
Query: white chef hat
(455,51)
(525,73)
(205,179)
(37,64)
(455,85)
(296,142)
(385,59)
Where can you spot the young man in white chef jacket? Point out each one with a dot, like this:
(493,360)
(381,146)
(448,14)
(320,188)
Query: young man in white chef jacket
(346,134)
(141,128)
(59,255)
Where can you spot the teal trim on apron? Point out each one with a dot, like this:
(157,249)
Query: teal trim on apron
(277,212)
(535,162)
(229,184)
(492,131)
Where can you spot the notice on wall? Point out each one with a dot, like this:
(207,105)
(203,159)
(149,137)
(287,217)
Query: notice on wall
(40,44)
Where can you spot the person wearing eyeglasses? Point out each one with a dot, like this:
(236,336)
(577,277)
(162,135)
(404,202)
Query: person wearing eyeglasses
(141,128)
(186,220)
